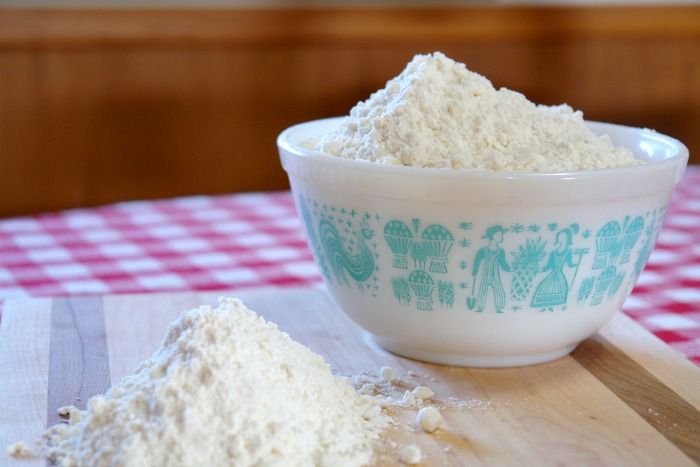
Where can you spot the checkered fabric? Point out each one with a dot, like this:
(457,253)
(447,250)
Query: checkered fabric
(195,243)
(666,299)
(251,240)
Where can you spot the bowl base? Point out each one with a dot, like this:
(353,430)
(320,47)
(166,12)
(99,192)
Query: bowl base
(480,361)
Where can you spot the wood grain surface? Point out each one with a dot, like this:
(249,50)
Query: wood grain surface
(622,398)
(25,335)
(114,104)
(80,27)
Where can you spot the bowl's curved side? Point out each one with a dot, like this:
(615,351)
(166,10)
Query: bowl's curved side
(470,284)
(478,270)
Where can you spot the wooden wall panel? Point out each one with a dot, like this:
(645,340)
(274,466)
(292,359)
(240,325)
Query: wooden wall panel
(101,106)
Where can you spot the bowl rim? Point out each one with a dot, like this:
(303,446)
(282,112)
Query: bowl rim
(678,158)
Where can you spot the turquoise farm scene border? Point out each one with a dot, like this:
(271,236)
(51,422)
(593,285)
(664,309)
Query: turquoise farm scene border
(464,265)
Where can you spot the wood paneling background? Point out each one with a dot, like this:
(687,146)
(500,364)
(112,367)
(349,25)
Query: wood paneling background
(107,105)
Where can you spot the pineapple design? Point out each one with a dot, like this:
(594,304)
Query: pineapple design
(526,264)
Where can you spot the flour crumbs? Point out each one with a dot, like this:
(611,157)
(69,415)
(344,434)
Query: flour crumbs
(437,113)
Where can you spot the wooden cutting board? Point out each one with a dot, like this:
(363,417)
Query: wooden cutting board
(622,398)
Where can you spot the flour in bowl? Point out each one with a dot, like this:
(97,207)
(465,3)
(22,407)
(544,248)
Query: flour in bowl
(437,113)
(225,388)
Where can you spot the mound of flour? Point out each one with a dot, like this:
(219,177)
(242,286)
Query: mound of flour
(437,113)
(225,388)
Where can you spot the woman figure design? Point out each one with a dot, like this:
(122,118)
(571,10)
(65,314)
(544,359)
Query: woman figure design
(488,262)
(553,290)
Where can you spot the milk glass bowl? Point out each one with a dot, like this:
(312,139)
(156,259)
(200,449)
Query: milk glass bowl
(478,268)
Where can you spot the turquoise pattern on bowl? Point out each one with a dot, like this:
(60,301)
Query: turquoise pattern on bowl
(481,268)
(543,266)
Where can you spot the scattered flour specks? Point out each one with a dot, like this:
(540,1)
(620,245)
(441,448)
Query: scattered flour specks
(410,455)
(429,419)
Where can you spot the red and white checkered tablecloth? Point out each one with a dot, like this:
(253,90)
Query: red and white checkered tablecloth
(249,240)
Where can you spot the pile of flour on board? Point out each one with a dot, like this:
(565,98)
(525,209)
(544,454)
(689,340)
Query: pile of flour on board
(225,388)
(437,113)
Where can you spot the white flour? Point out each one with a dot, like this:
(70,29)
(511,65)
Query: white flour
(410,454)
(225,388)
(437,113)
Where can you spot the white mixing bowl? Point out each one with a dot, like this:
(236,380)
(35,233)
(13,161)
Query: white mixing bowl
(481,268)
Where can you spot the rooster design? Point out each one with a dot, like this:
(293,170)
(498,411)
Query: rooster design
(359,266)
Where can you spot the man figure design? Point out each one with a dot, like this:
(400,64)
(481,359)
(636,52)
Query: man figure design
(486,275)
